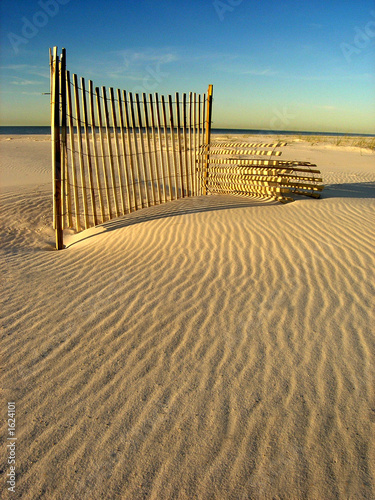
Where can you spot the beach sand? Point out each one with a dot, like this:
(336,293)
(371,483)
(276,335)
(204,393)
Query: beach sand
(210,348)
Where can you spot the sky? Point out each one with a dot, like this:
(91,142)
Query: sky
(274,65)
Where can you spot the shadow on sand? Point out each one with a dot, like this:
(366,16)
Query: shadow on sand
(182,206)
(186,206)
(349,190)
(201,204)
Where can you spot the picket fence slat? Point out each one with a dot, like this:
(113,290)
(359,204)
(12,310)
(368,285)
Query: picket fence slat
(131,161)
(72,151)
(125,158)
(155,155)
(117,150)
(95,149)
(88,151)
(147,132)
(163,168)
(103,153)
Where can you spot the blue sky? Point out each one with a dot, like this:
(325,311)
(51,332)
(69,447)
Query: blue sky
(292,65)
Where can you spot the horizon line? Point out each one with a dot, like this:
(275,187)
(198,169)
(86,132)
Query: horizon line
(258,131)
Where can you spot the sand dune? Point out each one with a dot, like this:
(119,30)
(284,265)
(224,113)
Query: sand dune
(213,347)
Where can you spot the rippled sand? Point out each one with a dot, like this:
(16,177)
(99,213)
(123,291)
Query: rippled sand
(213,347)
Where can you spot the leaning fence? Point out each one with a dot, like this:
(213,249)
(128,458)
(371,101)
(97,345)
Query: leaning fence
(114,152)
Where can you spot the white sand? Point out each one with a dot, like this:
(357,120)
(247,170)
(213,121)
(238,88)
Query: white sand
(210,348)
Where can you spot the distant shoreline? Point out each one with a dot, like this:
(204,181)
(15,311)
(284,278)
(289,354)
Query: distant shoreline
(45,130)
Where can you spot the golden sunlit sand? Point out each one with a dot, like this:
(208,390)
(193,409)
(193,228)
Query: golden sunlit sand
(212,347)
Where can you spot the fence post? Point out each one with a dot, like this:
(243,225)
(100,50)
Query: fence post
(56,149)
(208,137)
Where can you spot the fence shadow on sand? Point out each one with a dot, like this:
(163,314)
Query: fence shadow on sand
(349,190)
(185,206)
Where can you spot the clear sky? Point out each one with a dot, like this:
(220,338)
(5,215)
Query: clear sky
(286,65)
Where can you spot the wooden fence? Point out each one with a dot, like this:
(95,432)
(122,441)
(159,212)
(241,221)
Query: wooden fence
(114,152)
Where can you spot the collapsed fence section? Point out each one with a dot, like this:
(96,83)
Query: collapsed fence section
(246,169)
(115,152)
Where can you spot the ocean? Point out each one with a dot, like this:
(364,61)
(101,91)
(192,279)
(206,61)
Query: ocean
(28,130)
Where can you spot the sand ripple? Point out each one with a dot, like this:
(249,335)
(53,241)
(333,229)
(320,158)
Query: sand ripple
(209,348)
